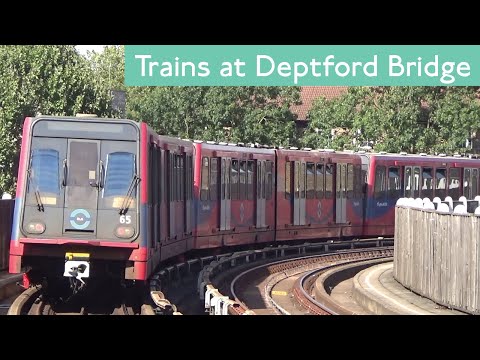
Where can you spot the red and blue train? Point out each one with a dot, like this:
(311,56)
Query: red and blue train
(110,198)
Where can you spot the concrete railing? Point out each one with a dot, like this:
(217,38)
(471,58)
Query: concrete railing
(437,251)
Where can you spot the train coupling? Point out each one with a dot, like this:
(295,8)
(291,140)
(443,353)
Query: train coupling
(77,265)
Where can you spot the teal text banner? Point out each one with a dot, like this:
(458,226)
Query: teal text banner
(302,65)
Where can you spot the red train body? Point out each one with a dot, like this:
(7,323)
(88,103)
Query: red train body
(111,198)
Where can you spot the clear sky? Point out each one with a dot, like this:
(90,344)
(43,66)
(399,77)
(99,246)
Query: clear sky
(84,48)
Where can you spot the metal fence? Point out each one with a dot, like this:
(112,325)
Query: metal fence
(6,218)
(437,255)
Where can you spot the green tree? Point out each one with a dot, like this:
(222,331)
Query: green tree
(108,67)
(232,114)
(53,80)
(397,118)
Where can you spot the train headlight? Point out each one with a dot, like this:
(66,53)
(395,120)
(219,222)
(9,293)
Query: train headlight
(36,227)
(124,232)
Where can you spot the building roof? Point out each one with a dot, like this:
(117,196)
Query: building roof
(309,93)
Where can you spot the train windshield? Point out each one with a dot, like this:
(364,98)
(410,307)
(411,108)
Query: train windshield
(44,178)
(119,172)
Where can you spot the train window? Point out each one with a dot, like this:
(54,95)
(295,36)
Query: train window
(467,182)
(408,182)
(259,179)
(329,181)
(156,178)
(175,176)
(243,179)
(416,182)
(83,162)
(178,183)
(119,171)
(151,168)
(187,177)
(44,175)
(227,180)
(474,183)
(269,180)
(204,193)
(171,168)
(296,179)
(350,181)
(263,179)
(159,175)
(182,177)
(454,183)
(234,179)
(358,182)
(214,178)
(427,183)
(222,180)
(394,186)
(441,183)
(250,171)
(288,178)
(191,177)
(319,180)
(310,180)
(302,181)
(379,188)
(172,177)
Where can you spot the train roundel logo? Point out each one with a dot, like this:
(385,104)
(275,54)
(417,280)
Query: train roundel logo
(80,219)
(319,209)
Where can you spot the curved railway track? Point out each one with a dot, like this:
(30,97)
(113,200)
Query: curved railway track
(183,282)
(313,289)
(254,289)
(33,301)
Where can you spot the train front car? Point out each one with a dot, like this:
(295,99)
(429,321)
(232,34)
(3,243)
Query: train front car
(77,209)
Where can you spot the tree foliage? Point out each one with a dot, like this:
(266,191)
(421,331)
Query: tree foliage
(53,80)
(232,114)
(394,119)
(56,80)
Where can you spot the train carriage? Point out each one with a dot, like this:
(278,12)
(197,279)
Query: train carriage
(236,197)
(77,189)
(169,194)
(100,198)
(319,194)
(392,176)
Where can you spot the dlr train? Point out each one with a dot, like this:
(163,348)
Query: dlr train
(110,198)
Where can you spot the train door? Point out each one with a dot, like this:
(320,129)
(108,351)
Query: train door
(225,198)
(470,183)
(412,180)
(363,183)
(299,193)
(341,194)
(260,191)
(82,185)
